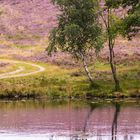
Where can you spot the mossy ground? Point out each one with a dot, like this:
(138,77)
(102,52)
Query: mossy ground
(59,83)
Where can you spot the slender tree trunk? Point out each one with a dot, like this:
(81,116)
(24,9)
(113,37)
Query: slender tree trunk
(113,66)
(111,53)
(86,68)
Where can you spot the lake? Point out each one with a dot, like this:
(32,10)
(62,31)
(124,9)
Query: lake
(78,120)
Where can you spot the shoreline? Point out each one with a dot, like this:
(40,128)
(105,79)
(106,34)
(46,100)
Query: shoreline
(37,97)
(61,83)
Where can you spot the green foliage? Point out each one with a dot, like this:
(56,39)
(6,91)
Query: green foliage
(78,28)
(131,21)
(116,25)
(112,3)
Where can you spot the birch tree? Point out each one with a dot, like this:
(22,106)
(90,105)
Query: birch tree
(78,30)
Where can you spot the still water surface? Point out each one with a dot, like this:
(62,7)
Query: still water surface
(40,120)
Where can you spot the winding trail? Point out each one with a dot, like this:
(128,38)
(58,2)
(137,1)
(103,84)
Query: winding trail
(21,69)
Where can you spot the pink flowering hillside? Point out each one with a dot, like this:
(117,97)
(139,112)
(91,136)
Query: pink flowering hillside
(32,17)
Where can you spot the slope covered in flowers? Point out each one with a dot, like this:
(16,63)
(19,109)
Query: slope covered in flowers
(34,17)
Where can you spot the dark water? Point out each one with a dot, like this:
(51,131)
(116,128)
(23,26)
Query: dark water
(40,120)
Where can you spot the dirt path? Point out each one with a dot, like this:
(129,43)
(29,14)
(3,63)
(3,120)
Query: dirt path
(21,69)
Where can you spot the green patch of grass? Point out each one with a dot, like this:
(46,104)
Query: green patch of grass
(21,46)
(60,83)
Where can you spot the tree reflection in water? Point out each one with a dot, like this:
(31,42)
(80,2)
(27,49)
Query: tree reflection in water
(70,121)
(84,137)
(85,124)
(92,108)
(115,121)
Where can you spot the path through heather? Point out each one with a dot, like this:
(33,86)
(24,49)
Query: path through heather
(17,72)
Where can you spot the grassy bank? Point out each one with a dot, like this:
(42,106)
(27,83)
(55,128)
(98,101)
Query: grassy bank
(59,83)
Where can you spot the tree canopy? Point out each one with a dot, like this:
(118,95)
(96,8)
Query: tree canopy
(78,27)
(131,22)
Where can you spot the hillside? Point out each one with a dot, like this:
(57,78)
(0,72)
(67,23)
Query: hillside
(33,17)
(26,22)
(24,27)
(24,30)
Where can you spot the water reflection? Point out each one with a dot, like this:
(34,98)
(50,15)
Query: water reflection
(40,120)
(114,123)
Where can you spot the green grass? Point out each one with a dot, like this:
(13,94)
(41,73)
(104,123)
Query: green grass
(15,66)
(27,68)
(60,83)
